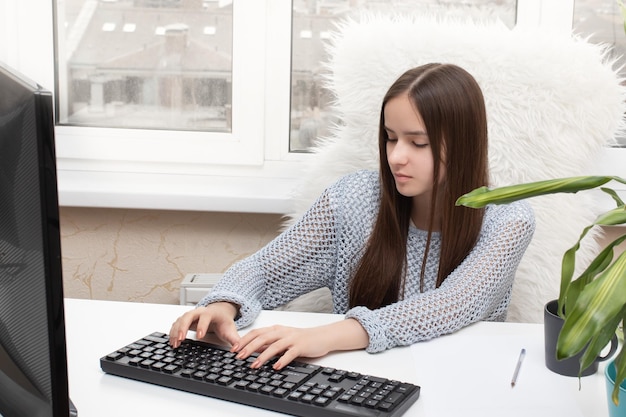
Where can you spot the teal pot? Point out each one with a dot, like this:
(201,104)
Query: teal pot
(619,410)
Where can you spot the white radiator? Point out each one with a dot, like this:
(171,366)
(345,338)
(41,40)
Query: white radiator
(195,286)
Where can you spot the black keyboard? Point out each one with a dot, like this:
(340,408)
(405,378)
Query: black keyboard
(299,389)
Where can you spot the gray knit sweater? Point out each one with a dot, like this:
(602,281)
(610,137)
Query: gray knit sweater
(323,248)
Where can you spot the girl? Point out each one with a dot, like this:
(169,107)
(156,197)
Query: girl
(403,263)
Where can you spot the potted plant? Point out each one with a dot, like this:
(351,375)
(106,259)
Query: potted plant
(594,303)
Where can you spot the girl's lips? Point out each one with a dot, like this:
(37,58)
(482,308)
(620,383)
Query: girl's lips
(401,177)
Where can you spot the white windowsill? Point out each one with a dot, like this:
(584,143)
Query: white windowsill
(196,192)
(267,189)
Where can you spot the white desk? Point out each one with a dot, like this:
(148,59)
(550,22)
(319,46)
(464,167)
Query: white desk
(467,373)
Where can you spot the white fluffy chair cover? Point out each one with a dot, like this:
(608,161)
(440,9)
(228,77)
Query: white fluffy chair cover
(553,102)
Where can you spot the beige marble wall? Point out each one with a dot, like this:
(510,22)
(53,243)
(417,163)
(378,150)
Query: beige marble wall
(142,255)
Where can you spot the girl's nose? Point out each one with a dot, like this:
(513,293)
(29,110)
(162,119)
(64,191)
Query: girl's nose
(397,154)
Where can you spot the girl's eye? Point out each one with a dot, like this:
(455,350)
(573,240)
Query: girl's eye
(391,139)
(420,145)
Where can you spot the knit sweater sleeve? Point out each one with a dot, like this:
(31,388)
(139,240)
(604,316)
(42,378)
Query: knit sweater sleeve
(301,259)
(478,289)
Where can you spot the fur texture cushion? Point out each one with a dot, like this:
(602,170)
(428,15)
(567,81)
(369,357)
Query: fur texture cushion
(553,102)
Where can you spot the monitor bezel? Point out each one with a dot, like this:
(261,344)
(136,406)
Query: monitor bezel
(51,239)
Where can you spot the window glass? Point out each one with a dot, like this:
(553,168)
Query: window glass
(312,22)
(156,64)
(603,22)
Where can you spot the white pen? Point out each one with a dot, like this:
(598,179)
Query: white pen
(517,367)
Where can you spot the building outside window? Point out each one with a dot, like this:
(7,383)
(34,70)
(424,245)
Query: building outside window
(148,64)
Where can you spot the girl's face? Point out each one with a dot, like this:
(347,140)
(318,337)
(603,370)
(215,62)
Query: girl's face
(409,154)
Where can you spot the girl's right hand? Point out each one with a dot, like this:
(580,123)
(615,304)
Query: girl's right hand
(218,318)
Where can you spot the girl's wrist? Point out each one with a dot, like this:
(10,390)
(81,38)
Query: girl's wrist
(347,334)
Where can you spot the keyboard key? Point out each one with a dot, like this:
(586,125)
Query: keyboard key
(321,401)
(114,356)
(295,377)
(170,369)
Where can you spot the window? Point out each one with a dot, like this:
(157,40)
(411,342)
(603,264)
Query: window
(153,82)
(312,23)
(229,138)
(603,22)
(145,64)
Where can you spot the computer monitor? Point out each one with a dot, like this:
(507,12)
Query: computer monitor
(33,360)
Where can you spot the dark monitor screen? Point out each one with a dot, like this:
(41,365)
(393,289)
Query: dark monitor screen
(33,364)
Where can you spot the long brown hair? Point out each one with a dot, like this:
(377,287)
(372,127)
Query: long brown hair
(451,105)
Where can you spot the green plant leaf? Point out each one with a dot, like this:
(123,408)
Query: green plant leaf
(620,368)
(620,374)
(570,290)
(614,195)
(598,342)
(568,265)
(597,305)
(612,217)
(482,196)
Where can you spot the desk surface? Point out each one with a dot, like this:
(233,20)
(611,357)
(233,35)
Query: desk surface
(467,373)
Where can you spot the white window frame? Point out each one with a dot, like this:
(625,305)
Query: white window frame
(249,170)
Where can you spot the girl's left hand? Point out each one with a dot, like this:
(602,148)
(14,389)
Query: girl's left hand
(289,343)
(286,342)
